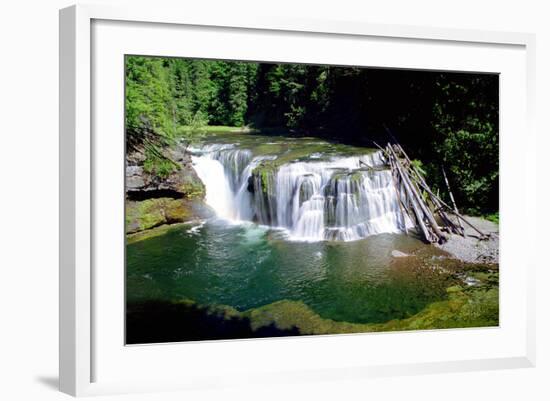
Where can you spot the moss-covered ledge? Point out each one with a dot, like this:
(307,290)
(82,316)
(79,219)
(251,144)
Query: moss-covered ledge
(150,213)
(184,320)
(463,308)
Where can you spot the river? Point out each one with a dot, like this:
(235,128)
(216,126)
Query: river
(293,219)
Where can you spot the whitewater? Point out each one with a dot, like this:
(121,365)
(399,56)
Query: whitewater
(341,198)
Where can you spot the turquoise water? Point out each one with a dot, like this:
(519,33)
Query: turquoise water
(247,266)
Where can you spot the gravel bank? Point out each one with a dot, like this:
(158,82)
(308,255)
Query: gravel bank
(471,249)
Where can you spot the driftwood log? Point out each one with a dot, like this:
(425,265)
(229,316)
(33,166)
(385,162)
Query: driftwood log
(420,203)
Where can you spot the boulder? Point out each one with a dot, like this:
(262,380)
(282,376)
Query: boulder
(149,213)
(183,181)
(398,254)
(135,178)
(152,201)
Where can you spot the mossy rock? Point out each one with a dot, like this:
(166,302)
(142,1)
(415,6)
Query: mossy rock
(264,175)
(288,314)
(191,186)
(472,308)
(182,180)
(143,215)
(194,190)
(463,308)
(454,289)
(151,233)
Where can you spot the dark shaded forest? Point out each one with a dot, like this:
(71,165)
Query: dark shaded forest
(443,120)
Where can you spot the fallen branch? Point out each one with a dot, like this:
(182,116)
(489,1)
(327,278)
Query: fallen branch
(410,185)
(421,210)
(452,200)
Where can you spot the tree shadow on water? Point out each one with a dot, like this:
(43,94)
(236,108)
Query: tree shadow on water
(163,321)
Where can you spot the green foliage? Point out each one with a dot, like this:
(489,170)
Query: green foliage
(290,95)
(148,95)
(160,166)
(419,167)
(493,217)
(168,99)
(195,130)
(232,83)
(466,139)
(474,176)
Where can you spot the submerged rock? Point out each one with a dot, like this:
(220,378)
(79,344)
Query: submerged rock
(398,254)
(471,281)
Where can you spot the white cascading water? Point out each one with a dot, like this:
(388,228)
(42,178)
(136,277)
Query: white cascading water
(345,198)
(219,195)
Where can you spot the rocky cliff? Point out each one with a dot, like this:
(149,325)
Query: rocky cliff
(152,201)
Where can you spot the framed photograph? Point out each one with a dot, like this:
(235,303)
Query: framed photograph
(282,200)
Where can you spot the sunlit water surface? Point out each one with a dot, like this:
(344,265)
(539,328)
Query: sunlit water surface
(247,266)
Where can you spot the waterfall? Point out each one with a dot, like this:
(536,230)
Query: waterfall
(344,198)
(219,195)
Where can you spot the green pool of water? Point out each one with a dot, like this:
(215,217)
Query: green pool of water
(247,266)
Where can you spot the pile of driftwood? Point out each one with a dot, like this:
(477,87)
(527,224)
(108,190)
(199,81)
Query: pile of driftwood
(433,217)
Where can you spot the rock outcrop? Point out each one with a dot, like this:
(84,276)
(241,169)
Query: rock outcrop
(152,201)
(150,213)
(183,181)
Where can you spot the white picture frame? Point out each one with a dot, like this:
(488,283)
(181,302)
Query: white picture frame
(81,252)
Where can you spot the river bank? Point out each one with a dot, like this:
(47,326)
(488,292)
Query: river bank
(470,248)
